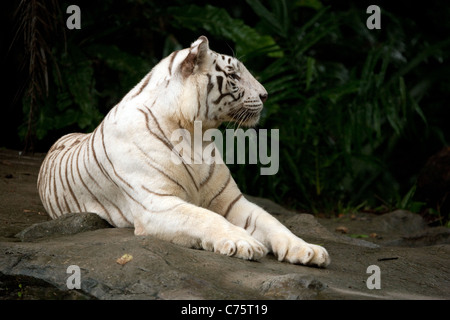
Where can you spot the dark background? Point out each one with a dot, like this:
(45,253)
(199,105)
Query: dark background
(359,111)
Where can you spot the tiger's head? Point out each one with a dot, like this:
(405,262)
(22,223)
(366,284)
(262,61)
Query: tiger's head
(216,88)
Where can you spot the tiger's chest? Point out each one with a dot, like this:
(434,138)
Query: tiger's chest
(203,182)
(163,158)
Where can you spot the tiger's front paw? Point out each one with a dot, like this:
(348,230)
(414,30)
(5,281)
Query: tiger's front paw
(294,250)
(240,245)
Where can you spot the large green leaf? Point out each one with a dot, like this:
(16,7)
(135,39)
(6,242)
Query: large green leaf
(277,19)
(218,22)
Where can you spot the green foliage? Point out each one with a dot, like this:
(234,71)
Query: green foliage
(348,101)
(408,203)
(340,121)
(218,22)
(85,74)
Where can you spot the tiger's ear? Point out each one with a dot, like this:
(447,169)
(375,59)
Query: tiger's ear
(197,58)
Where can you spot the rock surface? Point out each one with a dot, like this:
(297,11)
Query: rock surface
(72,223)
(413,259)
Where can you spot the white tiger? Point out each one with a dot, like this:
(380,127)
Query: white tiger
(122,170)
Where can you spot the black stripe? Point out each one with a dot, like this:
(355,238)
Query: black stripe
(163,139)
(171,61)
(99,187)
(210,84)
(209,87)
(67,177)
(115,172)
(223,95)
(51,209)
(220,191)
(67,152)
(109,160)
(100,166)
(247,221)
(144,84)
(94,196)
(67,207)
(219,83)
(219,69)
(62,155)
(231,205)
(86,154)
(150,162)
(114,110)
(254,228)
(199,105)
(210,173)
(157,193)
(167,143)
(168,209)
(55,194)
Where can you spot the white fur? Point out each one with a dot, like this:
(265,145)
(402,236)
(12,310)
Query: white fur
(123,172)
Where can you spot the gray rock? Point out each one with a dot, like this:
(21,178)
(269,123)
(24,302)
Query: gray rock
(400,221)
(67,224)
(292,287)
(425,237)
(162,270)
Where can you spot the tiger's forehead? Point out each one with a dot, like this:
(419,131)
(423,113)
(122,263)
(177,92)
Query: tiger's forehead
(230,64)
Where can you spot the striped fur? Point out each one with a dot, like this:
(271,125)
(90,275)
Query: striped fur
(122,170)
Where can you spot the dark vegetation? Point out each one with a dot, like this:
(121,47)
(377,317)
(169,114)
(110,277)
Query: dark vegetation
(359,111)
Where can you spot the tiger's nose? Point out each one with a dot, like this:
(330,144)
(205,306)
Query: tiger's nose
(263,97)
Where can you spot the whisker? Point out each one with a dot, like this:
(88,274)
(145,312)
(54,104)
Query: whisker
(234,55)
